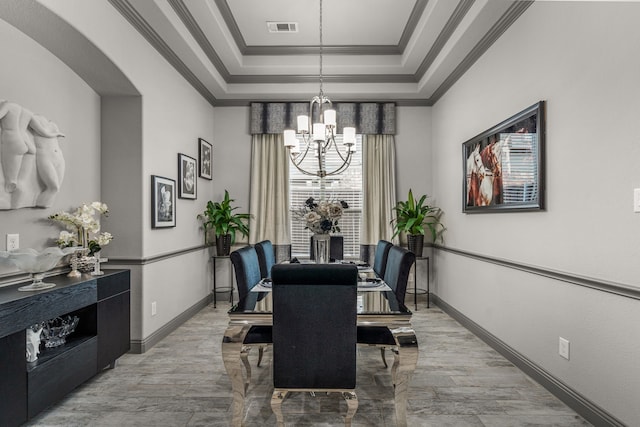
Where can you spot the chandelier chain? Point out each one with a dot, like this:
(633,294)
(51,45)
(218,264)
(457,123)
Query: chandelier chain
(321,89)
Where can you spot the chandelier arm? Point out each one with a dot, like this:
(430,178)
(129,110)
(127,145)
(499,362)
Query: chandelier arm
(298,167)
(342,168)
(340,154)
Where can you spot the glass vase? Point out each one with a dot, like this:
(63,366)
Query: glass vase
(321,246)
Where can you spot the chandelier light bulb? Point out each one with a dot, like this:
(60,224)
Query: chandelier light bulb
(330,118)
(349,136)
(318,132)
(290,139)
(303,124)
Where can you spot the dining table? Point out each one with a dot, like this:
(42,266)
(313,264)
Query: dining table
(377,306)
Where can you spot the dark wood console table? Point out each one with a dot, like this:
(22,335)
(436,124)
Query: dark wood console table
(102,303)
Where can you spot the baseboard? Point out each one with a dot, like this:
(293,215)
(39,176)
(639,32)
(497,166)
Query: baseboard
(587,409)
(141,346)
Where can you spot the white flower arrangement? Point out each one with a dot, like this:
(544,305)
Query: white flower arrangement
(321,217)
(83,226)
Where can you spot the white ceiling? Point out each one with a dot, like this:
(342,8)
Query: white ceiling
(409,51)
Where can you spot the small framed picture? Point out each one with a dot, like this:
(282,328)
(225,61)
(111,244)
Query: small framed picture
(187,177)
(163,206)
(206,158)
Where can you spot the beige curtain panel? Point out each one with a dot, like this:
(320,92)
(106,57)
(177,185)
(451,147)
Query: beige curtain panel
(269,204)
(379,188)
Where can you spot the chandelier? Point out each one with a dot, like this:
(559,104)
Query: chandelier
(319,138)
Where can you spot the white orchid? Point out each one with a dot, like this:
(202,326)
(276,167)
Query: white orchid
(82,224)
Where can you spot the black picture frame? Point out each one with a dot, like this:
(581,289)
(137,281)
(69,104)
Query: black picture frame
(503,167)
(187,180)
(163,202)
(205,150)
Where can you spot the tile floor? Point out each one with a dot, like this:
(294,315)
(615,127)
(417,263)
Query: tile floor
(459,381)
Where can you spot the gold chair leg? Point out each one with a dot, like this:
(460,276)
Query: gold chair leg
(276,405)
(244,356)
(352,407)
(384,360)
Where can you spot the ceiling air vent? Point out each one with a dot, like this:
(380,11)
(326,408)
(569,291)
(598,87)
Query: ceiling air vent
(282,27)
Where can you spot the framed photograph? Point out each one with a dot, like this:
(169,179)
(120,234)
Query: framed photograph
(163,206)
(187,188)
(206,158)
(503,167)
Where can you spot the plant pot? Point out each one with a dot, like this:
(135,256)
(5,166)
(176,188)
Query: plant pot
(223,245)
(415,242)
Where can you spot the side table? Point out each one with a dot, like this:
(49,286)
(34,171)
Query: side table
(224,288)
(416,289)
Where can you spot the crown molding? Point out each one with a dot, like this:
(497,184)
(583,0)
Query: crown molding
(509,17)
(130,14)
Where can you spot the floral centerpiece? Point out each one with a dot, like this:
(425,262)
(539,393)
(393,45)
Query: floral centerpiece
(321,217)
(83,227)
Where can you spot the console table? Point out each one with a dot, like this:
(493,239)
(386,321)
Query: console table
(102,303)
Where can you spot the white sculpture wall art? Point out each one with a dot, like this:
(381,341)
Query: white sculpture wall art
(30,157)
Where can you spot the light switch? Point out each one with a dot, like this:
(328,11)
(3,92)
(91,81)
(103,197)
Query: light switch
(636,200)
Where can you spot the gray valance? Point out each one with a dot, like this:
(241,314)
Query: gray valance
(369,118)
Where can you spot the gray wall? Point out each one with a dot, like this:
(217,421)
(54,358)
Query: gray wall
(64,98)
(116,139)
(578,56)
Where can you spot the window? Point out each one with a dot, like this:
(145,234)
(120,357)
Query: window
(346,186)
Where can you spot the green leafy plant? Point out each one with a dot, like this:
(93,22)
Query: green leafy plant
(412,217)
(219,216)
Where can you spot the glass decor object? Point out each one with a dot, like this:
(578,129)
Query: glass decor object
(56,331)
(321,247)
(96,265)
(37,263)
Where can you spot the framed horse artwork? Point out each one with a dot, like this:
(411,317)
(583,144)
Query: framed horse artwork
(503,167)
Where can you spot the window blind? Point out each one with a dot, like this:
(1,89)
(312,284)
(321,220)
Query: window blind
(346,186)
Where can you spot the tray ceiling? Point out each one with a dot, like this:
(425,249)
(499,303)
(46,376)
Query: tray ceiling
(408,51)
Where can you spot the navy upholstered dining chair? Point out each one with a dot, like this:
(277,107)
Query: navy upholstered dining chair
(380,260)
(397,270)
(396,275)
(266,257)
(247,271)
(314,351)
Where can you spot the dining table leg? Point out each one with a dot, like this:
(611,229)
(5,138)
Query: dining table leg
(231,352)
(404,366)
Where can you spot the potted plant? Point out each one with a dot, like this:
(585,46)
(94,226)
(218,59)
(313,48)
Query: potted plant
(412,217)
(220,218)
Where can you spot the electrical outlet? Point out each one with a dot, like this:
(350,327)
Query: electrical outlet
(563,348)
(13,242)
(636,199)
(154,308)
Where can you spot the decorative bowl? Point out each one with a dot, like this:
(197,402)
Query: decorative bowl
(55,331)
(37,263)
